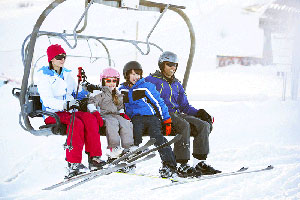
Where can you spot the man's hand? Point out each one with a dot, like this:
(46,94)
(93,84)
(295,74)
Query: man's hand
(203,115)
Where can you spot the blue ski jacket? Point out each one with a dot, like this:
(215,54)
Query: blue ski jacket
(172,93)
(143,99)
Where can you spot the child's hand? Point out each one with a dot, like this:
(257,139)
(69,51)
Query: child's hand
(124,116)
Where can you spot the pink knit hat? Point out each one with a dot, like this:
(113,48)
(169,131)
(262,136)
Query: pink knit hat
(54,50)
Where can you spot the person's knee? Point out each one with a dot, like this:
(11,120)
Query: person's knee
(78,124)
(182,127)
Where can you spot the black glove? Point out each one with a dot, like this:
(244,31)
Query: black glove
(90,87)
(59,130)
(71,104)
(203,115)
(83,104)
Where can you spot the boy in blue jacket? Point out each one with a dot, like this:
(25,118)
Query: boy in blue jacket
(147,112)
(187,120)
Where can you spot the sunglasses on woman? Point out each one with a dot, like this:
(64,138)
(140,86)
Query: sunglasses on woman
(170,64)
(109,80)
(60,56)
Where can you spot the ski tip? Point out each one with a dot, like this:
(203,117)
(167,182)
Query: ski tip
(270,167)
(243,169)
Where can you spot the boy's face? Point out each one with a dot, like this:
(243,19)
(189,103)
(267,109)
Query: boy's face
(134,77)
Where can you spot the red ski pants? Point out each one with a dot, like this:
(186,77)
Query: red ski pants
(85,132)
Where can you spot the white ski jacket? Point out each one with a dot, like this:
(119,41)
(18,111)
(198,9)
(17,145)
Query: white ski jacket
(55,89)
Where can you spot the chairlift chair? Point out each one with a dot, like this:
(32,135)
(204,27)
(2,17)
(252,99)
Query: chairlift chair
(28,95)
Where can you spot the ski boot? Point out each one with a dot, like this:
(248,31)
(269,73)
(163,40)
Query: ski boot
(167,171)
(185,170)
(75,169)
(95,163)
(206,169)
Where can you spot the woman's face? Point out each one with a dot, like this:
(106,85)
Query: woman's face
(134,77)
(111,82)
(59,61)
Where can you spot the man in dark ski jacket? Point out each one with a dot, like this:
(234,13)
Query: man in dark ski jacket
(186,120)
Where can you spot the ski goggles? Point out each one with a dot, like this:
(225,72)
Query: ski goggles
(60,56)
(170,64)
(109,80)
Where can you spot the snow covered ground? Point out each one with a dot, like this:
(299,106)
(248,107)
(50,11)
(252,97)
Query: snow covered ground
(253,126)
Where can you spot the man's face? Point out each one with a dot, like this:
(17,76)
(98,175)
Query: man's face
(170,69)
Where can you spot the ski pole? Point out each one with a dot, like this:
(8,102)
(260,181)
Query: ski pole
(70,147)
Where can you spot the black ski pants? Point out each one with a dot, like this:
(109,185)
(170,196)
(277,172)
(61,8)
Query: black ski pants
(152,125)
(188,126)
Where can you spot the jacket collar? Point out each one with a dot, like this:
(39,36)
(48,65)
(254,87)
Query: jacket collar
(160,75)
(139,82)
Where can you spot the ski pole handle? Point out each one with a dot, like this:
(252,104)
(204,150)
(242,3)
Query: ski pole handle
(79,74)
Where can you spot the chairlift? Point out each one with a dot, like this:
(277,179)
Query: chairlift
(28,95)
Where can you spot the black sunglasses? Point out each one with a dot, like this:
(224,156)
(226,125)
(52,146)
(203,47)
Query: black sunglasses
(170,64)
(60,57)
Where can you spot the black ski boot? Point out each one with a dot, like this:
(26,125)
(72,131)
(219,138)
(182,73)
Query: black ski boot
(128,169)
(206,169)
(95,163)
(185,170)
(76,169)
(110,159)
(167,171)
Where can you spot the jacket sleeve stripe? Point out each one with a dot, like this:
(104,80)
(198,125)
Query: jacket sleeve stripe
(153,99)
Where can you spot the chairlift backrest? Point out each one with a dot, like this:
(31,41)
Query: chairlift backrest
(29,95)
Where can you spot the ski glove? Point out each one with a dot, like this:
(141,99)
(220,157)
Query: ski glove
(71,104)
(124,116)
(203,115)
(168,126)
(90,87)
(83,104)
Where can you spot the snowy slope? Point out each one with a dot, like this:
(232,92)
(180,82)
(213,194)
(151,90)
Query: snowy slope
(250,134)
(253,127)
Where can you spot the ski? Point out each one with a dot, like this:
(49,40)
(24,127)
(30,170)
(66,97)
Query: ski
(115,162)
(175,139)
(243,170)
(84,175)
(98,173)
(152,176)
(150,142)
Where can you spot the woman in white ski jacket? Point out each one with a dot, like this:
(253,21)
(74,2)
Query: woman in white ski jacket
(57,90)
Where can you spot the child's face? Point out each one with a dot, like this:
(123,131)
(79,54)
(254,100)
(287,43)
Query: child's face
(111,83)
(134,77)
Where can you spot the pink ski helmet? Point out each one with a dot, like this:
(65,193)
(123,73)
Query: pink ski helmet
(109,73)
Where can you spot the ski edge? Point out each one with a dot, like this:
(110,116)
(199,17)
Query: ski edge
(243,170)
(93,176)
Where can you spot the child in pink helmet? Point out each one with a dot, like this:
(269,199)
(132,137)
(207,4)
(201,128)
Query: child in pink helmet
(109,102)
